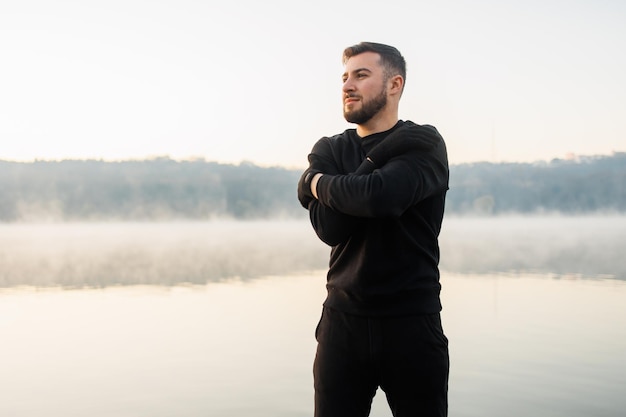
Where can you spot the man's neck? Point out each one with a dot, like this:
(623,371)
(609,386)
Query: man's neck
(376,126)
(381,122)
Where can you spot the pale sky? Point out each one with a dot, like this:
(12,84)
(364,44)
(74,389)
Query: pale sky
(260,81)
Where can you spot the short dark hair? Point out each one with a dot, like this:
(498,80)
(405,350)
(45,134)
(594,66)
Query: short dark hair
(390,58)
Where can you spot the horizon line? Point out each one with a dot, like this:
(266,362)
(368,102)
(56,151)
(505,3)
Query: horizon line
(569,156)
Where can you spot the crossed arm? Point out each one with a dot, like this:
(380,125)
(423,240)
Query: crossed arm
(408,166)
(331,226)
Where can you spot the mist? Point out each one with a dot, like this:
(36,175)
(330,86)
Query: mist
(562,246)
(105,254)
(79,255)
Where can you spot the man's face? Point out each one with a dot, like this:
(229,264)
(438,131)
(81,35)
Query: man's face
(364,88)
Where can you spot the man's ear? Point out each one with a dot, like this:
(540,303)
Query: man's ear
(396,84)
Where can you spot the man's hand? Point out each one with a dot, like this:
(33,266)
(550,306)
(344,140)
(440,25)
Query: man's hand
(305,184)
(314,181)
(408,137)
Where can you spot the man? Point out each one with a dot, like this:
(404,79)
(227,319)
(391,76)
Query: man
(376,195)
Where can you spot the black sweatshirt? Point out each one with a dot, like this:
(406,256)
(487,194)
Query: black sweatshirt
(383,227)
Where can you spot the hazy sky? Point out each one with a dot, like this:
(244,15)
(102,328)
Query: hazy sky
(260,80)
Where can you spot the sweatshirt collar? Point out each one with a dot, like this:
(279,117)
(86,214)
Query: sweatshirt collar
(369,141)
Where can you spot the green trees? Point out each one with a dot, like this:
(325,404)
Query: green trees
(589,184)
(159,189)
(165,189)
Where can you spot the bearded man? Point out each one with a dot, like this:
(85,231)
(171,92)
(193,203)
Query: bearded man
(376,195)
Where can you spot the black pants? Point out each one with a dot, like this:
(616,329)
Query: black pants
(407,357)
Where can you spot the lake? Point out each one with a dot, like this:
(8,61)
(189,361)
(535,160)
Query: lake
(217,318)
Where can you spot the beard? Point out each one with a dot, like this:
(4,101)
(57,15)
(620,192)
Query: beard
(368,109)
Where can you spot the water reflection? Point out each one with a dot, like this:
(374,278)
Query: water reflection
(523,346)
(531,346)
(224,349)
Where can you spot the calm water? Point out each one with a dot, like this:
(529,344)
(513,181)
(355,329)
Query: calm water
(217,319)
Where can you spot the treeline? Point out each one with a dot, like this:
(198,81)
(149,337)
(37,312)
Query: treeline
(588,184)
(165,189)
(156,189)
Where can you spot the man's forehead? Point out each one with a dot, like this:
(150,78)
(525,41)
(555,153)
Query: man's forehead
(369,61)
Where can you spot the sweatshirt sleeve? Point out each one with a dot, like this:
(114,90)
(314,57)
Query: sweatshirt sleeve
(331,226)
(389,191)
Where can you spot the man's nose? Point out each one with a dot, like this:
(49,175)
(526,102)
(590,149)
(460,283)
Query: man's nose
(348,86)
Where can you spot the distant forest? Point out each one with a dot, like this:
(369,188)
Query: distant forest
(165,189)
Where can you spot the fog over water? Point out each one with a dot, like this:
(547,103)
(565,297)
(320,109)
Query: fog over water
(587,246)
(104,254)
(217,318)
